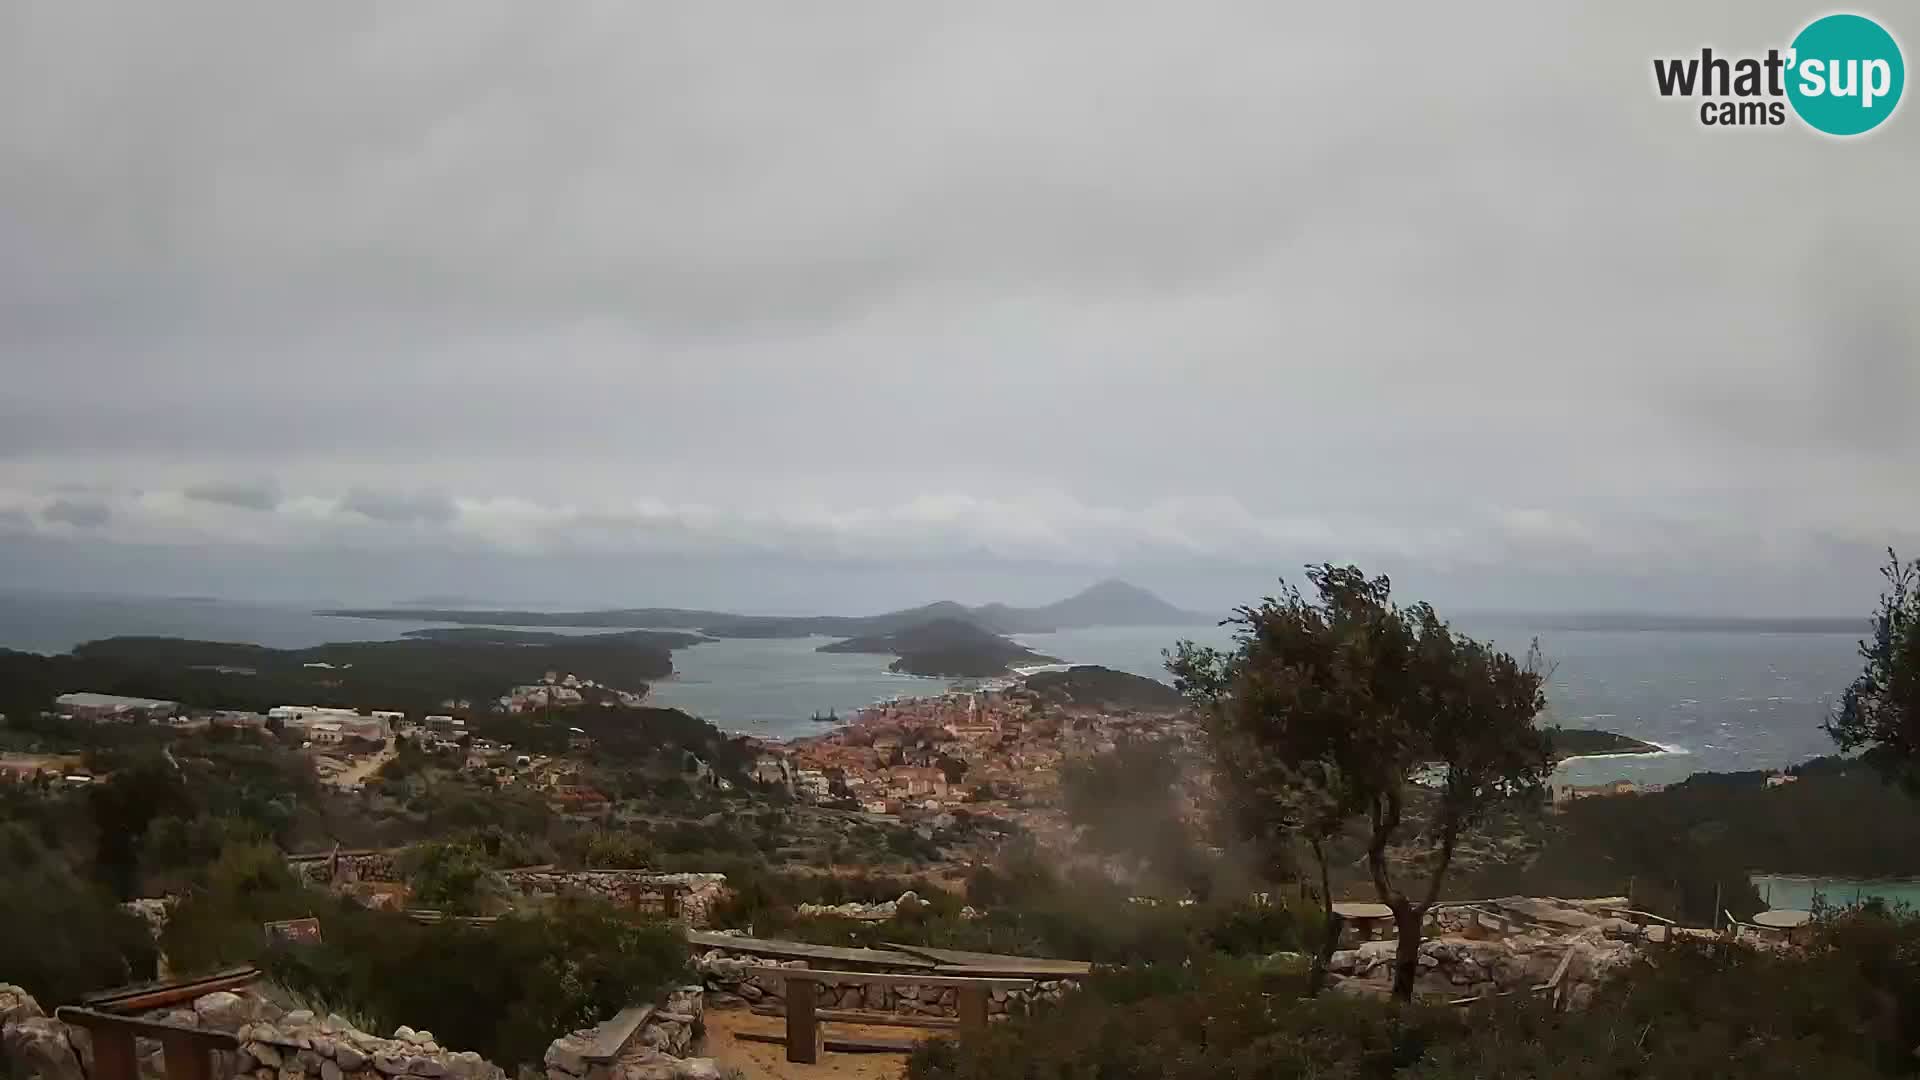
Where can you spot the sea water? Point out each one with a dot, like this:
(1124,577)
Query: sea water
(1716,700)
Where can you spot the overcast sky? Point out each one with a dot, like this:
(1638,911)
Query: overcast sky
(846,305)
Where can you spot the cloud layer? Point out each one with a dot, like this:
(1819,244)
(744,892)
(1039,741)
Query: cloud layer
(1214,287)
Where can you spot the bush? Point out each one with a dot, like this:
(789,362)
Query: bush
(456,876)
(61,936)
(1848,1007)
(505,991)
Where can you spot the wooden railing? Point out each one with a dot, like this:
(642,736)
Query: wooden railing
(187,1049)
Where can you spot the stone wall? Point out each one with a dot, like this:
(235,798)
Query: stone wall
(346,867)
(639,888)
(661,1048)
(1510,945)
(740,980)
(274,1044)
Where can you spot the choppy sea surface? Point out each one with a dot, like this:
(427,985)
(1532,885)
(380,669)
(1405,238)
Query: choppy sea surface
(1716,700)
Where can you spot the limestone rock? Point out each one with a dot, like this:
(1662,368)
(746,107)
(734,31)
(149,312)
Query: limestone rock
(567,1054)
(16,1004)
(37,1046)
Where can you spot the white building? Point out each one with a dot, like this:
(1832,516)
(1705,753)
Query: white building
(88,706)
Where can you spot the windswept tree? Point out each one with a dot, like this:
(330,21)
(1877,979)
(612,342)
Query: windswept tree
(1880,712)
(1326,710)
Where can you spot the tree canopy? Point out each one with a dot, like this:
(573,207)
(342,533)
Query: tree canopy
(1880,712)
(1328,708)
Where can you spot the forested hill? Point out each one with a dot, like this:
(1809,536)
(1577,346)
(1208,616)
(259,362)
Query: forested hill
(1090,686)
(951,647)
(414,674)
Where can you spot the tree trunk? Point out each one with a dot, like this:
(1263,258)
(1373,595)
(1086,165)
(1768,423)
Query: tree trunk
(1330,927)
(1406,957)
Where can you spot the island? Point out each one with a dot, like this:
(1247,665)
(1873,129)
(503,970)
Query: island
(1586,742)
(1089,686)
(1107,603)
(425,672)
(949,647)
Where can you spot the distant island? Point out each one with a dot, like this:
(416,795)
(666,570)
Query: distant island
(418,673)
(1586,742)
(1094,687)
(1108,603)
(948,647)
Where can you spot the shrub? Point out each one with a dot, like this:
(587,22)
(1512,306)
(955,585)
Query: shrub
(505,991)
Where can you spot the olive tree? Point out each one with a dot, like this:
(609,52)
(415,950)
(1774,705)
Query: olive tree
(1327,709)
(1880,712)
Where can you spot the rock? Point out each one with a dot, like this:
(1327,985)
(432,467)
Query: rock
(222,1010)
(16,1005)
(717,999)
(404,1033)
(568,1054)
(297,1018)
(422,1038)
(349,1056)
(266,1054)
(329,1071)
(698,1068)
(37,1046)
(390,1064)
(427,1067)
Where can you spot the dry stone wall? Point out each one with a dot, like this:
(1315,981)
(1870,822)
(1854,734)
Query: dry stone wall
(742,980)
(1507,946)
(343,868)
(274,1044)
(696,894)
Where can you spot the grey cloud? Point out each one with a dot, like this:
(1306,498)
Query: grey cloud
(260,495)
(425,507)
(81,514)
(1228,285)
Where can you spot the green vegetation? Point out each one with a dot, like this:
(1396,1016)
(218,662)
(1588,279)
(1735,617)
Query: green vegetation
(1849,1007)
(1344,698)
(1881,709)
(60,934)
(503,990)
(1680,847)
(1094,687)
(946,647)
(1024,906)
(414,675)
(1578,742)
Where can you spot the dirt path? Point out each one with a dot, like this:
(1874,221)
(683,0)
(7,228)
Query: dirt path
(768,1060)
(360,771)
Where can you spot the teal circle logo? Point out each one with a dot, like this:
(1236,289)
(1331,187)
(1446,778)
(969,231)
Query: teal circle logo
(1845,74)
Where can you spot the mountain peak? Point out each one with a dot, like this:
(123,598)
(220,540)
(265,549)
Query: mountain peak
(1113,602)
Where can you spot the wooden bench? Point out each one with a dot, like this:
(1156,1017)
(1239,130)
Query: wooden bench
(803,1033)
(612,1035)
(187,1049)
